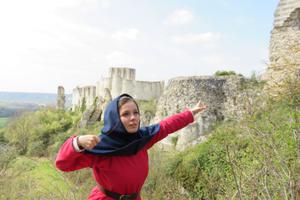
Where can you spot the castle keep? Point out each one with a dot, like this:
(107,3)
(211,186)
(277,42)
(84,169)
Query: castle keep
(284,50)
(117,81)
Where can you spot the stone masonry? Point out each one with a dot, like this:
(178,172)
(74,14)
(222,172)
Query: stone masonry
(116,82)
(61,99)
(223,95)
(87,93)
(284,50)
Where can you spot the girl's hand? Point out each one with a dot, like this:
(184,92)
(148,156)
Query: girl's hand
(199,108)
(88,141)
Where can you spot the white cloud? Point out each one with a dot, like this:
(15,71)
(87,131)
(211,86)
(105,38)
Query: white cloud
(119,58)
(181,16)
(208,38)
(129,34)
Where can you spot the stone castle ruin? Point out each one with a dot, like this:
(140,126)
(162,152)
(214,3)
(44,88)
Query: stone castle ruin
(61,98)
(284,50)
(85,94)
(116,82)
(224,96)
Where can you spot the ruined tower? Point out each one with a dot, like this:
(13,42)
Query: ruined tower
(284,49)
(61,99)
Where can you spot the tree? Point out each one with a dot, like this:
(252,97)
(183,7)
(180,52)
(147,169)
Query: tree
(224,73)
(18,132)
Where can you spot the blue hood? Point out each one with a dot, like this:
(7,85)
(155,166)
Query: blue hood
(115,140)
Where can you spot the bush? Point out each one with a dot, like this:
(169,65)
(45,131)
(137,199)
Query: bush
(224,73)
(33,133)
(255,158)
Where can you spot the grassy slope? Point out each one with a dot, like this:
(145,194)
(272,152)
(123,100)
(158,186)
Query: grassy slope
(3,121)
(35,177)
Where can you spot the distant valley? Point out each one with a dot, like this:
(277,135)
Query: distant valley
(12,103)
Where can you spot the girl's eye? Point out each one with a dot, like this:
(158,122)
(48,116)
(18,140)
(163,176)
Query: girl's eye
(125,114)
(128,114)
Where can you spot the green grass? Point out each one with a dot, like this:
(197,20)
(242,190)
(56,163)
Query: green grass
(35,177)
(3,121)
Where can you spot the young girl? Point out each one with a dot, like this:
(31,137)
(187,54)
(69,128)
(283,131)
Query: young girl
(119,155)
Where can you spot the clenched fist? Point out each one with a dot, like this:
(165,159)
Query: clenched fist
(88,141)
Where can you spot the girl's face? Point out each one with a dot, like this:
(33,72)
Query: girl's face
(130,116)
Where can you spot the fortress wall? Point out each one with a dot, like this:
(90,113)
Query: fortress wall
(89,93)
(185,92)
(76,97)
(238,99)
(124,73)
(101,85)
(128,86)
(283,38)
(284,51)
(148,90)
(284,8)
(99,88)
(116,86)
(223,95)
(118,81)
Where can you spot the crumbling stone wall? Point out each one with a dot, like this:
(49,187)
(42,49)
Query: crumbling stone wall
(87,93)
(221,94)
(284,50)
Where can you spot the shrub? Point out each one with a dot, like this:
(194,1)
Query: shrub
(224,73)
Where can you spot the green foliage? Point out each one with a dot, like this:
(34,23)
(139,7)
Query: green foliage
(18,132)
(7,155)
(33,133)
(174,140)
(147,106)
(256,158)
(95,101)
(3,121)
(3,140)
(159,185)
(83,105)
(253,83)
(225,73)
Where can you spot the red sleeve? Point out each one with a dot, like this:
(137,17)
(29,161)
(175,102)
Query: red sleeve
(69,160)
(172,124)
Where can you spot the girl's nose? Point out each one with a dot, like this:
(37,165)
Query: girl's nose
(132,116)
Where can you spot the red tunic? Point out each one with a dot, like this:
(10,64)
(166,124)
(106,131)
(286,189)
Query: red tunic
(121,174)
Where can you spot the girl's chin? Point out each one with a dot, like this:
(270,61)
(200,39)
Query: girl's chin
(132,130)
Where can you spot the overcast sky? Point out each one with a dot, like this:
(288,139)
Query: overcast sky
(46,43)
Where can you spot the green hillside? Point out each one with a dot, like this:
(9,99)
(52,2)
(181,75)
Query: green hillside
(254,157)
(3,121)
